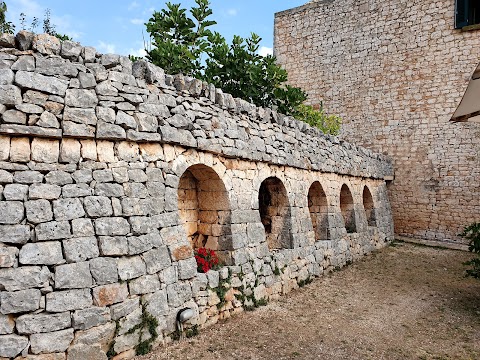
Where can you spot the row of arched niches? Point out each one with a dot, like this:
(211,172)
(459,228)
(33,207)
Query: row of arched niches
(205,211)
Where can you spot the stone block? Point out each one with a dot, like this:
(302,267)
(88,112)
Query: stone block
(24,277)
(28,177)
(5,177)
(89,150)
(131,267)
(157,260)
(82,228)
(57,341)
(38,211)
(35,81)
(14,234)
(7,324)
(58,177)
(140,244)
(4,148)
(68,300)
(127,151)
(169,275)
(80,116)
(76,190)
(105,114)
(45,150)
(48,120)
(14,117)
(144,285)
(122,309)
(68,209)
(20,149)
(71,129)
(83,176)
(99,335)
(10,95)
(73,276)
(113,246)
(19,301)
(178,294)
(125,120)
(69,151)
(105,151)
(102,176)
(42,253)
(86,352)
(43,322)
(112,226)
(81,98)
(110,131)
(90,317)
(8,256)
(13,192)
(81,248)
(110,190)
(53,230)
(12,345)
(110,294)
(187,269)
(104,270)
(44,191)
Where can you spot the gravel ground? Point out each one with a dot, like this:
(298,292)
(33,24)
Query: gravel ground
(403,302)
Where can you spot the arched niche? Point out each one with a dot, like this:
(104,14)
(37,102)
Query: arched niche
(347,208)
(204,208)
(318,207)
(369,207)
(275,213)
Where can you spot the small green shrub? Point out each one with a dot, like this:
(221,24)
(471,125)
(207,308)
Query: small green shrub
(328,124)
(472,233)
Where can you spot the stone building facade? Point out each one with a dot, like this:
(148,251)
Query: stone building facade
(113,173)
(395,71)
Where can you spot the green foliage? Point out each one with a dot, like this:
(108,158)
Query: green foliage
(150,323)
(328,124)
(5,26)
(472,233)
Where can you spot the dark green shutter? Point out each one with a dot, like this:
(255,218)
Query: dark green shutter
(461,13)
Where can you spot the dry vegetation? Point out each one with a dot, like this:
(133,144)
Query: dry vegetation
(403,302)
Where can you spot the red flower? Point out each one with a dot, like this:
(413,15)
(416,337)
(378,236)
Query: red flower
(206,259)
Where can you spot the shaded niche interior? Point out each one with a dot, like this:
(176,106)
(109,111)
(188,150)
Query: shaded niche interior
(347,209)
(369,207)
(318,207)
(275,213)
(204,208)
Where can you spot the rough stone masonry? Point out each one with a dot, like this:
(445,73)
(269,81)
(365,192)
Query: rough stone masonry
(112,173)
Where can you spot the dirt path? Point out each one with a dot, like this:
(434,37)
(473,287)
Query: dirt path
(404,302)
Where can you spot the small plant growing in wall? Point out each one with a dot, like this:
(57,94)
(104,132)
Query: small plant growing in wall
(472,233)
(206,259)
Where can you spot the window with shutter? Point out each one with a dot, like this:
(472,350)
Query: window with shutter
(467,12)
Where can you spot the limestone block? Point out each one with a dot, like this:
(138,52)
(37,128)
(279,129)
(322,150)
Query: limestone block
(131,267)
(89,150)
(5,177)
(213,278)
(86,352)
(19,301)
(44,191)
(69,151)
(68,209)
(181,251)
(87,80)
(140,244)
(14,117)
(4,147)
(178,294)
(57,341)
(15,192)
(110,131)
(7,324)
(105,151)
(58,177)
(88,53)
(98,206)
(90,317)
(82,227)
(48,120)
(25,277)
(73,129)
(73,276)
(110,190)
(76,191)
(102,175)
(130,321)
(125,120)
(38,211)
(35,81)
(6,77)
(80,116)
(122,309)
(10,95)
(187,269)
(99,335)
(28,177)
(104,270)
(104,114)
(83,176)
(14,234)
(81,248)
(20,149)
(151,151)
(113,246)
(154,109)
(53,230)
(46,44)
(112,226)
(8,256)
(68,300)
(43,253)
(169,275)
(81,98)
(11,212)
(110,294)
(12,345)
(43,322)
(70,50)
(44,150)
(146,122)
(127,151)
(157,260)
(144,285)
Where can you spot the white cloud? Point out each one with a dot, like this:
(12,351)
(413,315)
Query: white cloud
(140,52)
(232,12)
(106,48)
(264,51)
(137,21)
(133,5)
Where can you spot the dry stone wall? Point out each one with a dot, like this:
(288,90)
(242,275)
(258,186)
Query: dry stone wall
(112,173)
(395,71)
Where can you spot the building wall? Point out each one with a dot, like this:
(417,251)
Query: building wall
(395,71)
(113,173)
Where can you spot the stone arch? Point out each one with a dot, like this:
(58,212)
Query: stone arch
(348,209)
(204,208)
(275,213)
(318,208)
(369,206)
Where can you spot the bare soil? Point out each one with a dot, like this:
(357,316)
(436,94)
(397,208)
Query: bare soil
(403,302)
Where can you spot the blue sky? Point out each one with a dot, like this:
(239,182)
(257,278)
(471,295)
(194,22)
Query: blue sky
(116,26)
